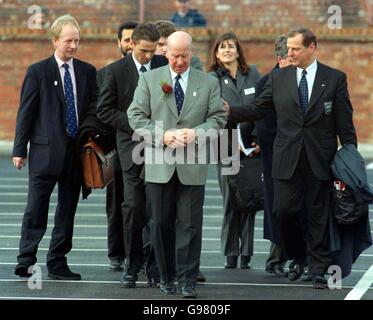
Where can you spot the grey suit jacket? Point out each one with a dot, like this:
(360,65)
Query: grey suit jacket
(152,113)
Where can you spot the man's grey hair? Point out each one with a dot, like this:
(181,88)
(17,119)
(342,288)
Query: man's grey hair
(281,49)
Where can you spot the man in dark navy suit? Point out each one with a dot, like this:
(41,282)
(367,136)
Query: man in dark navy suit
(313,108)
(58,94)
(116,94)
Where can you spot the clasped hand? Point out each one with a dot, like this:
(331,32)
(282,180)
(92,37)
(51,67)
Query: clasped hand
(179,137)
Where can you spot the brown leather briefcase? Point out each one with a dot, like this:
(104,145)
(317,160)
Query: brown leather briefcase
(98,167)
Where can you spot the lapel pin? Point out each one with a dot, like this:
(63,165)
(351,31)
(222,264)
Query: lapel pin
(194,94)
(55,83)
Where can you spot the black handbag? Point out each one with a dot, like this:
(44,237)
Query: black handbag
(347,208)
(246,187)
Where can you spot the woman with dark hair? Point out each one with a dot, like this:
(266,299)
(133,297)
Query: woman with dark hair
(237,83)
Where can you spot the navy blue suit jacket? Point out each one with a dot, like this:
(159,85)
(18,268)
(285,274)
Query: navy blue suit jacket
(41,118)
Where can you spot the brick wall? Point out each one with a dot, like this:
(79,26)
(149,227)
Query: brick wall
(226,13)
(349,49)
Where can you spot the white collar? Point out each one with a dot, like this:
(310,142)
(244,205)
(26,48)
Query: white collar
(138,64)
(310,69)
(60,62)
(184,75)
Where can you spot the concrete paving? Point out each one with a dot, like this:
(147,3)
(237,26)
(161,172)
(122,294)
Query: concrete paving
(89,256)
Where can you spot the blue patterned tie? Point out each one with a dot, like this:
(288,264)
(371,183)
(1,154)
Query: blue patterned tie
(303,92)
(72,122)
(179,94)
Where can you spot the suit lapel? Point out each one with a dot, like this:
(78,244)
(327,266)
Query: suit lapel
(225,81)
(240,82)
(56,80)
(132,71)
(318,86)
(192,92)
(80,82)
(291,83)
(170,99)
(293,86)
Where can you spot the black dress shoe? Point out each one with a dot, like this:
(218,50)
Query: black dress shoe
(269,268)
(22,271)
(116,265)
(201,277)
(63,273)
(167,287)
(306,275)
(189,291)
(128,280)
(231,262)
(245,262)
(319,282)
(295,271)
(154,282)
(279,271)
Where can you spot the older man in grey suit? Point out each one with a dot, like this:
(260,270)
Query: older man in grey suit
(172,105)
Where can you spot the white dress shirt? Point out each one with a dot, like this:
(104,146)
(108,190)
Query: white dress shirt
(138,64)
(310,76)
(183,80)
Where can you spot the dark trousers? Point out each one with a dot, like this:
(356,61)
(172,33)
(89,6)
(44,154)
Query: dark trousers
(176,228)
(276,256)
(114,200)
(35,218)
(134,217)
(310,237)
(237,231)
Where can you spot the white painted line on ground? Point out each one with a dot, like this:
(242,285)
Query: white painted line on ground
(98,205)
(105,238)
(80,214)
(207,284)
(80,204)
(77,215)
(24,194)
(14,186)
(100,226)
(106,265)
(49,237)
(105,250)
(13,179)
(362,286)
(209,181)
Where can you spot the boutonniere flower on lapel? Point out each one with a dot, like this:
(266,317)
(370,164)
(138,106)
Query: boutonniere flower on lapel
(166,88)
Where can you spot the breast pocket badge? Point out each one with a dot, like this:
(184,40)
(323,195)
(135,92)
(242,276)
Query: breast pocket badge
(328,107)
